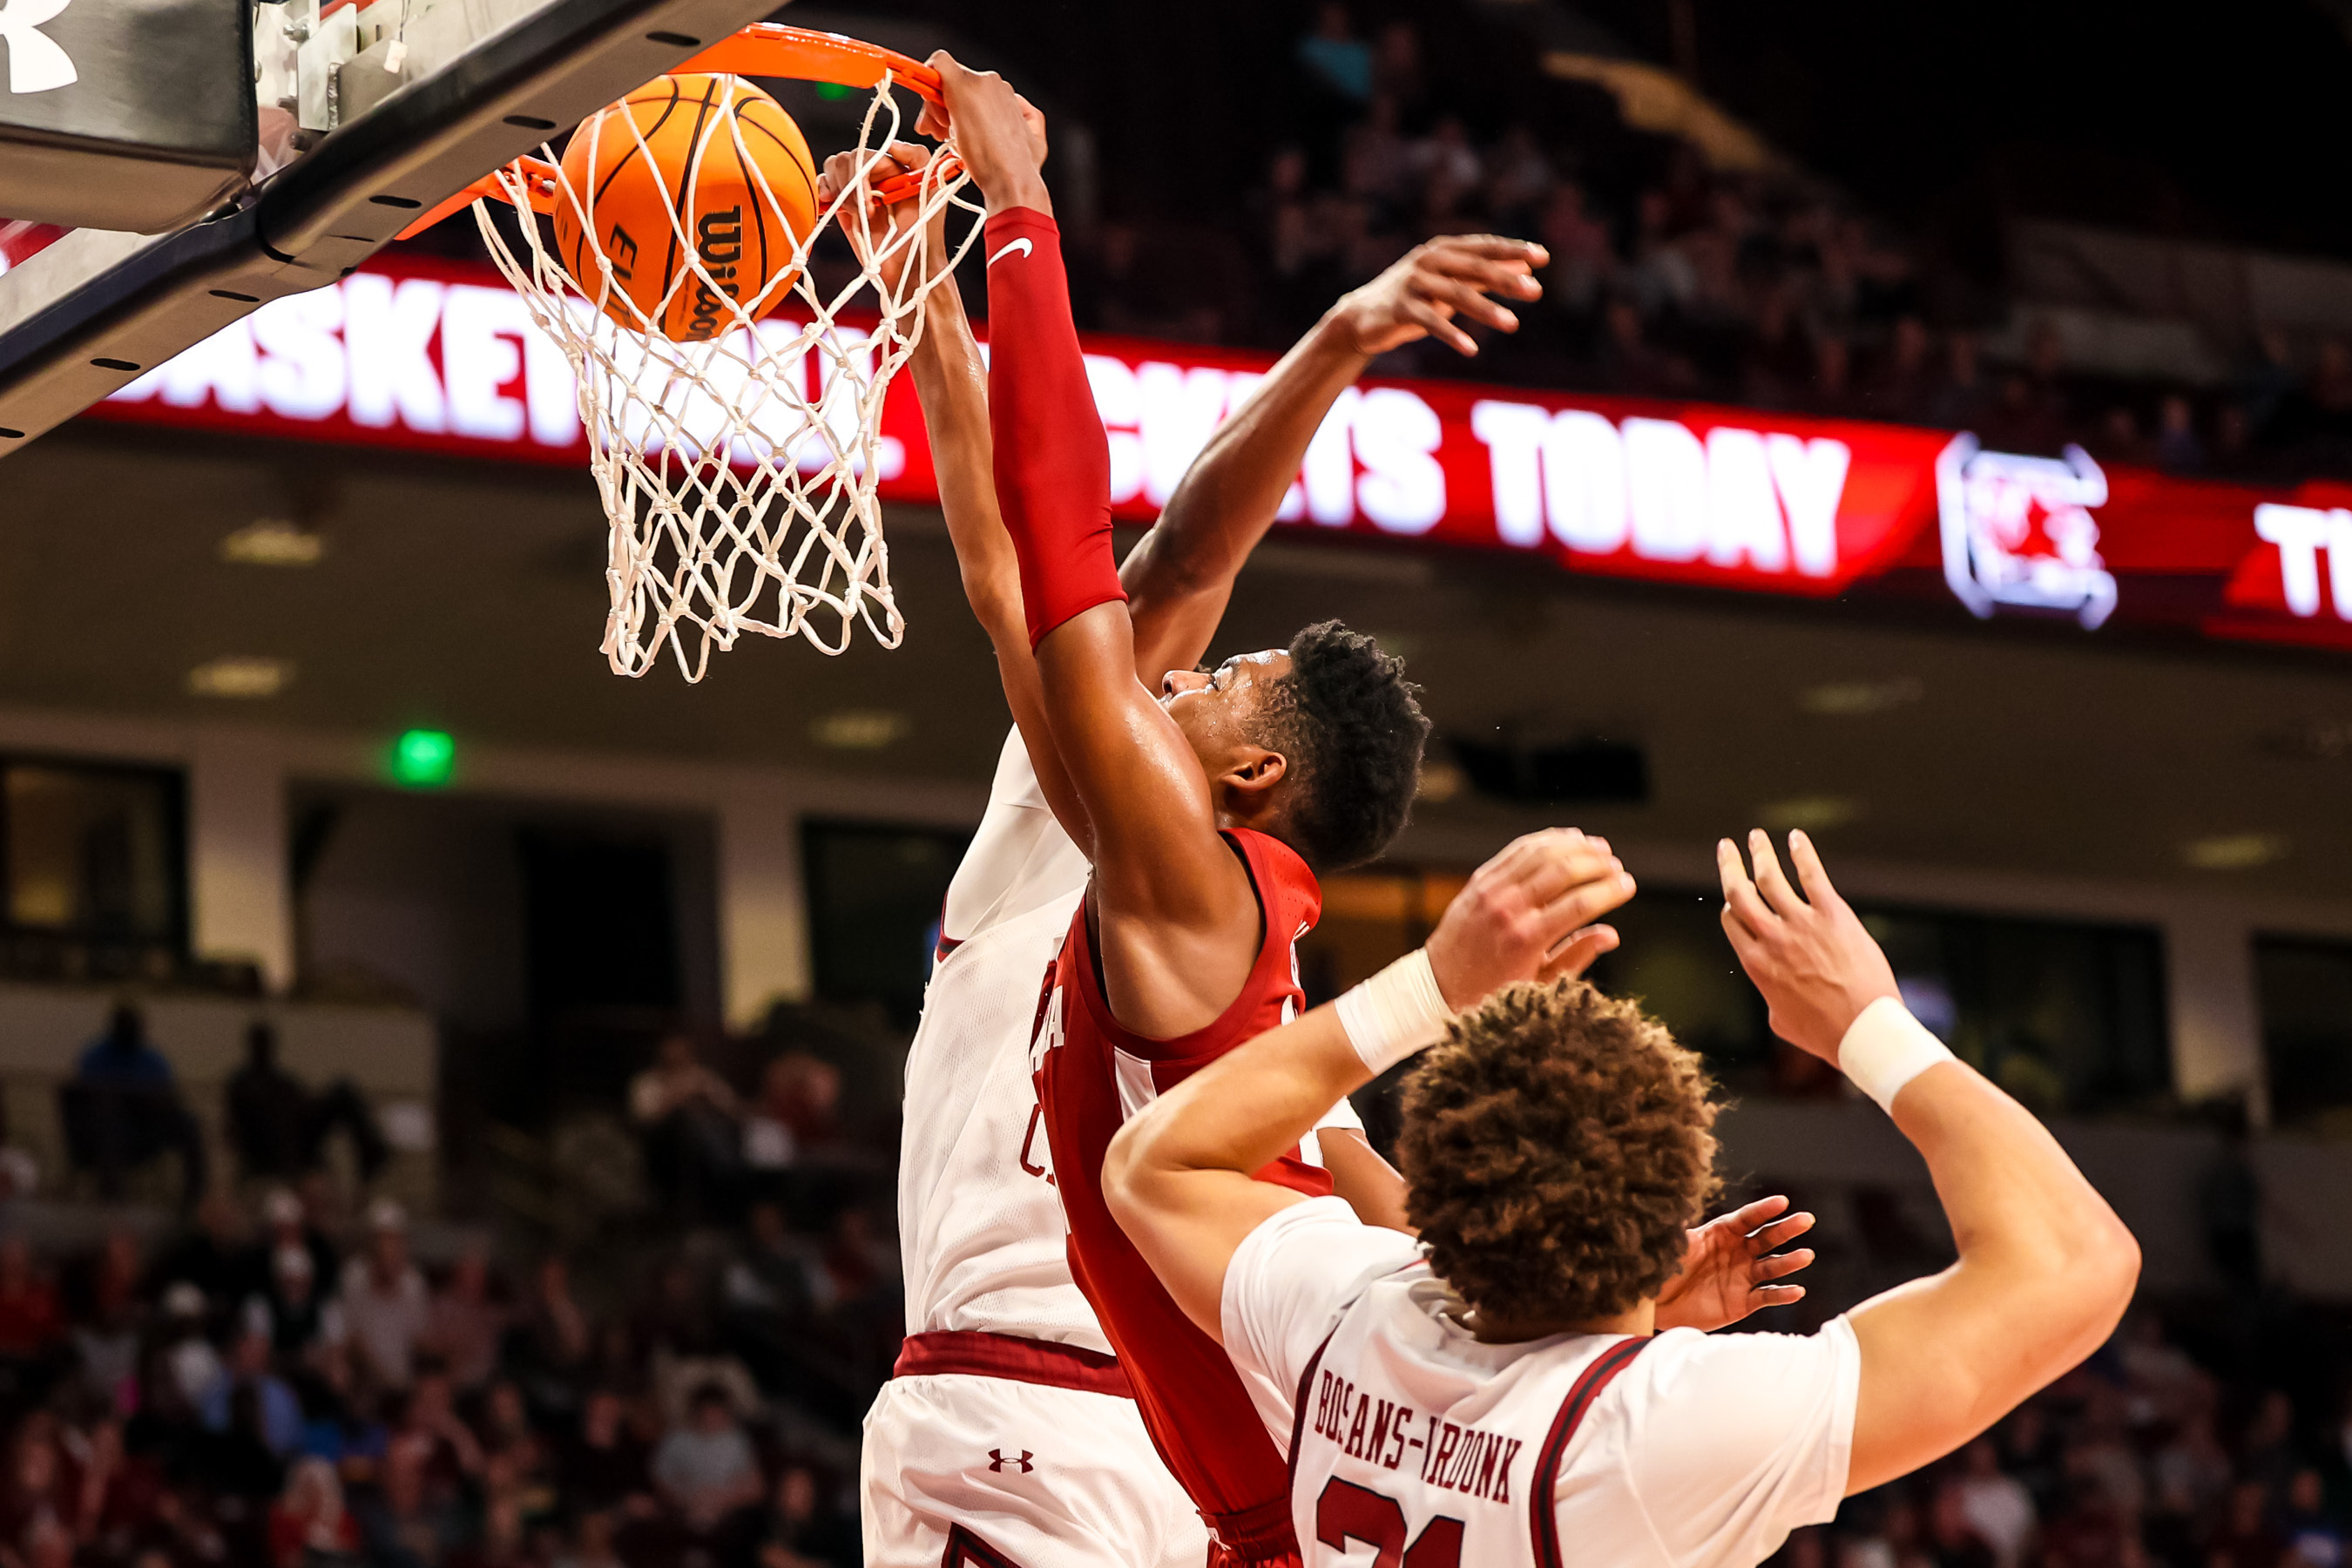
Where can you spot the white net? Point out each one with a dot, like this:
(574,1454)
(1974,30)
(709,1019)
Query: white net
(740,472)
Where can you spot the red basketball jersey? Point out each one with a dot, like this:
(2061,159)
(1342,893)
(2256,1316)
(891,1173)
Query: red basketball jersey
(1092,1074)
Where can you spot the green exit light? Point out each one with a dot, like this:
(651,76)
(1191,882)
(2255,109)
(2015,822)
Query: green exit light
(422,758)
(829,91)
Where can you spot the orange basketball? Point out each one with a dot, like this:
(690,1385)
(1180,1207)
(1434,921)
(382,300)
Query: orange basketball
(708,143)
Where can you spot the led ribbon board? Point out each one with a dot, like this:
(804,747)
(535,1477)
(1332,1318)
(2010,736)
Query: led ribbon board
(431,356)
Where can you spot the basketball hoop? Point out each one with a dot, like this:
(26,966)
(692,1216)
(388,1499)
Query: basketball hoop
(738,467)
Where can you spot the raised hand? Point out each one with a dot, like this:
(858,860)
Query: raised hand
(1728,1269)
(1421,295)
(1526,914)
(999,134)
(1809,956)
(877,231)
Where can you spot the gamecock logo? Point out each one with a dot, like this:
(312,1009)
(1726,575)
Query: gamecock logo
(2019,530)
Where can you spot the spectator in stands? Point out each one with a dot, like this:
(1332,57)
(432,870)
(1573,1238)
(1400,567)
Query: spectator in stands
(106,1330)
(2246,1539)
(249,1367)
(1997,1507)
(1629,363)
(279,1127)
(299,1323)
(190,1361)
(1582,259)
(1960,403)
(288,1224)
(308,1526)
(2313,418)
(385,1305)
(798,1530)
(550,1341)
(213,1258)
(32,1323)
(468,1325)
(704,1467)
(1397,72)
(1903,386)
(2176,444)
(1337,60)
(428,1422)
(690,1120)
(606,1468)
(591,1545)
(796,1114)
(123,1108)
(1376,160)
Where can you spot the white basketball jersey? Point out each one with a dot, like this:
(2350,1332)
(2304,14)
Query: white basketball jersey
(980,1227)
(980,1230)
(1416,1442)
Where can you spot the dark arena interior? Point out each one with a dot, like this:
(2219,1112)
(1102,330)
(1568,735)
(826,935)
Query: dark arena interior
(453,1096)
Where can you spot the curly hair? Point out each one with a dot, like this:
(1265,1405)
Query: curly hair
(1556,1146)
(1349,724)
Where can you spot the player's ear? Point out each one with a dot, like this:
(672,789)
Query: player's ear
(1253,772)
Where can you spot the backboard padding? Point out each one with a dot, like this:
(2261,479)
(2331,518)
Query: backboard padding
(85,317)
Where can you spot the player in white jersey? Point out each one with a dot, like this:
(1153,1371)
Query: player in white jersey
(1499,1393)
(1007,1435)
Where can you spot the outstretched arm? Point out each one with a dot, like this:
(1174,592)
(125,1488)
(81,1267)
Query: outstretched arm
(2045,1267)
(1180,577)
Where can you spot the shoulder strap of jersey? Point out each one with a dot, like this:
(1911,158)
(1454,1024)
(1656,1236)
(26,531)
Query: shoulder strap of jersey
(1544,1520)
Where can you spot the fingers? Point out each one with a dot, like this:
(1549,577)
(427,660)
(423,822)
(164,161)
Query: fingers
(1742,908)
(1034,119)
(1780,1265)
(1810,873)
(1464,298)
(1775,1295)
(1577,954)
(1772,1238)
(1562,865)
(1589,899)
(1438,323)
(1510,277)
(1748,1217)
(1494,247)
(1769,880)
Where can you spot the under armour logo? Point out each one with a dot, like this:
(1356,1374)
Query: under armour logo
(36,63)
(998,1459)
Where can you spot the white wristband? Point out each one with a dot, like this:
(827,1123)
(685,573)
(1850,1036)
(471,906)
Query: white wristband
(1885,1047)
(1396,1013)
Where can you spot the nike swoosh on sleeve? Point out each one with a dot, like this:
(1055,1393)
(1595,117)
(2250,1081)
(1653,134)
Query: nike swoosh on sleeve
(1021,244)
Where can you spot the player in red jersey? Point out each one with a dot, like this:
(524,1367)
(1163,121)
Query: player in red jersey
(1206,810)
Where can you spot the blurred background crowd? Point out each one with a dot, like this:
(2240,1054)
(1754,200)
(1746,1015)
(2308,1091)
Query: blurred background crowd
(1691,262)
(297,1372)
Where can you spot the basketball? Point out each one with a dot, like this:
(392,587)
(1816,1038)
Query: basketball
(727,160)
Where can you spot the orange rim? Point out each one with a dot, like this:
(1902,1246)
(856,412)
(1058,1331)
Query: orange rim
(770,49)
(763,48)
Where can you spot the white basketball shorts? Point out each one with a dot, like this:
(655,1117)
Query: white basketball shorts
(964,1471)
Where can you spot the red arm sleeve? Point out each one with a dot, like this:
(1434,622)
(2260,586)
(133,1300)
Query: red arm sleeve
(1053,465)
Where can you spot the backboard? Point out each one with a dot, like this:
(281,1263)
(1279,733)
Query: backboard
(368,114)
